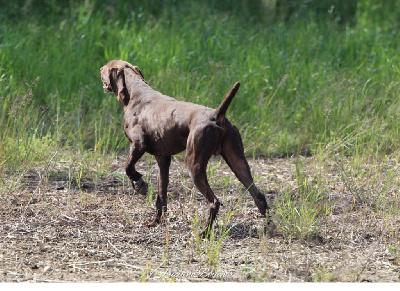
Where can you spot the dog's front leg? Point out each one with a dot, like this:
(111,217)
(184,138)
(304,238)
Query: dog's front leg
(135,153)
(163,179)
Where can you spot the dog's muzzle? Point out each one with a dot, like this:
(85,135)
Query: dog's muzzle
(107,88)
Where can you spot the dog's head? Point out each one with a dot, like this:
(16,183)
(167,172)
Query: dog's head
(114,76)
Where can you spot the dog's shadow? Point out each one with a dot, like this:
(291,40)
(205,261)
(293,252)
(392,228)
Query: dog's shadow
(62,180)
(243,230)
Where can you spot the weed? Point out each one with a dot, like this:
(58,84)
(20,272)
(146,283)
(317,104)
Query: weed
(299,211)
(145,272)
(209,249)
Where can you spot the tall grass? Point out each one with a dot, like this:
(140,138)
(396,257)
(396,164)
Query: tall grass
(307,84)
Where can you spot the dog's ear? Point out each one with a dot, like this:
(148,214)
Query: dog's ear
(138,72)
(117,80)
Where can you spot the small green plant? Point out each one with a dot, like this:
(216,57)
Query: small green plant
(78,178)
(209,249)
(324,274)
(212,171)
(144,274)
(151,194)
(213,246)
(299,211)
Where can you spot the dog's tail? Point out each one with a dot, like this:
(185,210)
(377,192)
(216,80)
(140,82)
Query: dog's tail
(221,110)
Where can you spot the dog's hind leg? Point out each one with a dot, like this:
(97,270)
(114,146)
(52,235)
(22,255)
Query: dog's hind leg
(201,145)
(163,179)
(233,154)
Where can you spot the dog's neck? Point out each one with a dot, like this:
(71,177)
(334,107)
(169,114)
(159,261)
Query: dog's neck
(136,87)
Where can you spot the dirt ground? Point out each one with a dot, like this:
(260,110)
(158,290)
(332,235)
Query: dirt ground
(58,229)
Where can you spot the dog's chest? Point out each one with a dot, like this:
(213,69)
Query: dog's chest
(130,119)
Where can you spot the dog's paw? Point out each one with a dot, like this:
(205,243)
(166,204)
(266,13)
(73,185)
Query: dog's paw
(140,187)
(152,223)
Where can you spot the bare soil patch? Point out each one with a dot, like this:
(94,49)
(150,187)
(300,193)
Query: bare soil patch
(55,228)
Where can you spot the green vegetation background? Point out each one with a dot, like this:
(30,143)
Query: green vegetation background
(316,76)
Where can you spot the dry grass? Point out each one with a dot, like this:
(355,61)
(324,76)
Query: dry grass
(60,225)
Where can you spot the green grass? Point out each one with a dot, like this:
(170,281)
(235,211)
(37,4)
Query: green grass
(306,84)
(300,211)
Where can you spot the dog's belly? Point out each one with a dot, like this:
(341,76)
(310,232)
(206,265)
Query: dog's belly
(166,145)
(169,137)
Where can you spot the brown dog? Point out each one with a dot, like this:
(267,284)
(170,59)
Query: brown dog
(163,126)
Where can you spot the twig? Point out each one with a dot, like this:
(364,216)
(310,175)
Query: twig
(130,266)
(91,263)
(12,273)
(152,273)
(82,270)
(53,281)
(362,270)
(75,267)
(187,188)
(114,247)
(68,217)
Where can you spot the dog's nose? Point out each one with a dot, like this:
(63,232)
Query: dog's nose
(106,87)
